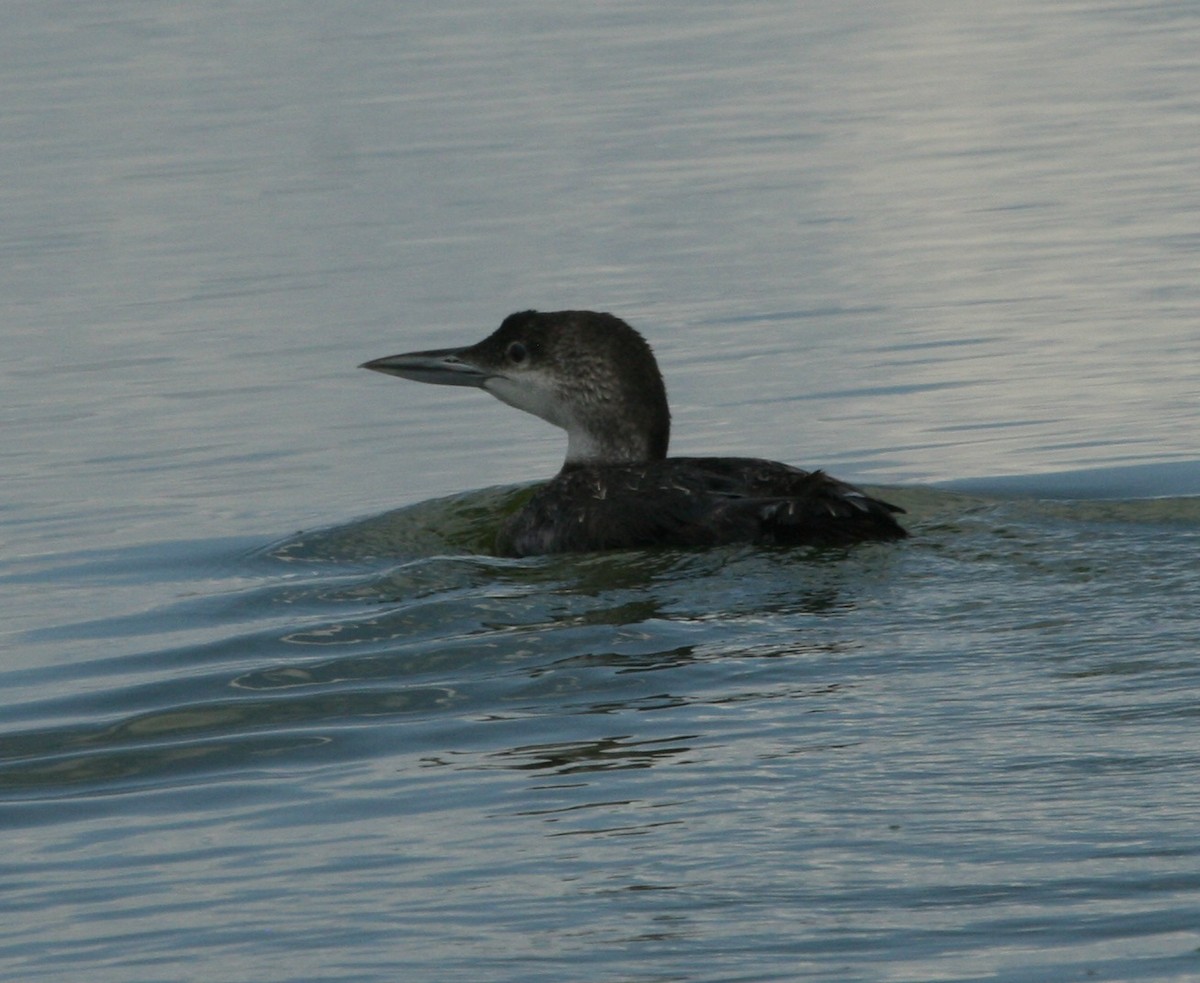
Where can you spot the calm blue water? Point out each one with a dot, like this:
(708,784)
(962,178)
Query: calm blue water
(272,713)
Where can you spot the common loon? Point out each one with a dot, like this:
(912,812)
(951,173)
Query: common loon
(596,377)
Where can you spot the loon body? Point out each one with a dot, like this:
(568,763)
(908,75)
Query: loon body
(596,377)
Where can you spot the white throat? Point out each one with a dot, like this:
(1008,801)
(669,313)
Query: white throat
(536,393)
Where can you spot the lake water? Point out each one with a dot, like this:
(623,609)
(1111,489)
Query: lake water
(272,713)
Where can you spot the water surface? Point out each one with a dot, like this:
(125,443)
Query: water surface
(273,710)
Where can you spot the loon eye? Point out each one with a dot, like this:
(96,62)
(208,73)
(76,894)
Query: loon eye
(516,353)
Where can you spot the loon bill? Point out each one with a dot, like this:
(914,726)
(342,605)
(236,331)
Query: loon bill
(596,377)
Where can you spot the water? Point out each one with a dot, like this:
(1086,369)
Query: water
(271,711)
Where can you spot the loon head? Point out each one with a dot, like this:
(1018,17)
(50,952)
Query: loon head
(589,373)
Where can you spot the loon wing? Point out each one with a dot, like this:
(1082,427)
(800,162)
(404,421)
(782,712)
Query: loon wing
(694,502)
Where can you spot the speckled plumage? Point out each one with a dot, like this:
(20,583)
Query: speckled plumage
(693,501)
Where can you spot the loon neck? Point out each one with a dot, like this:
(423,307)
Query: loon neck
(614,444)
